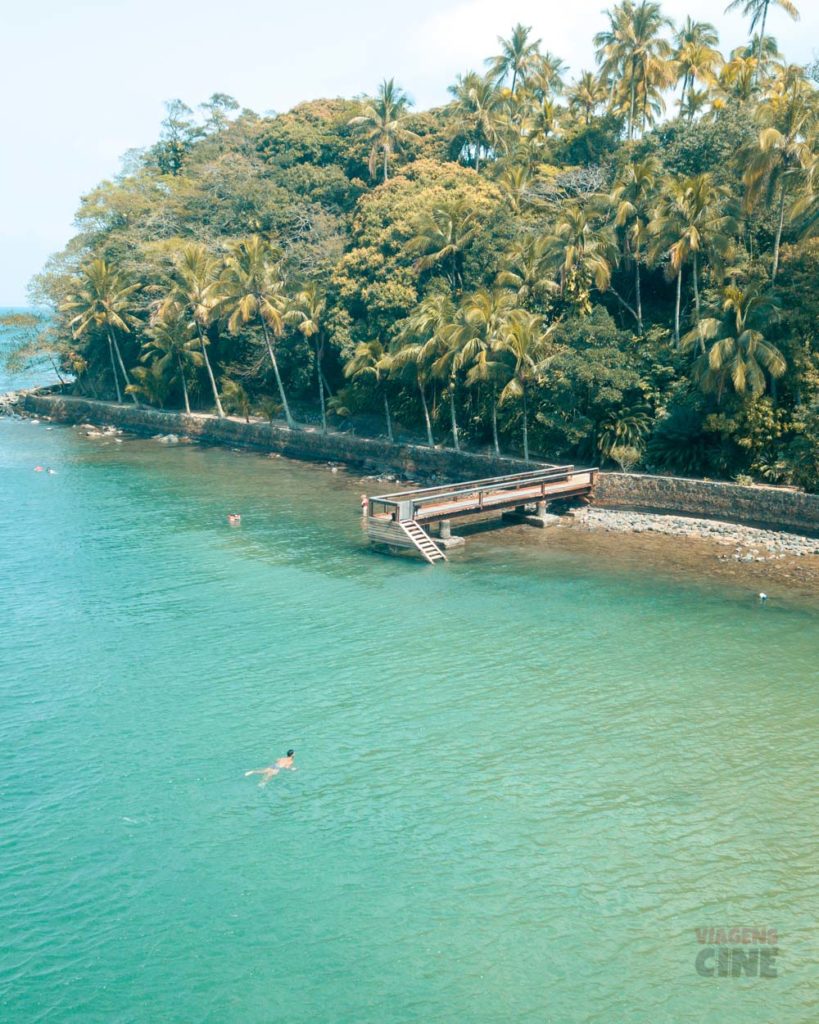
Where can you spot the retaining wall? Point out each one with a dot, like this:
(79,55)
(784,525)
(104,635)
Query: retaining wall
(770,507)
(311,444)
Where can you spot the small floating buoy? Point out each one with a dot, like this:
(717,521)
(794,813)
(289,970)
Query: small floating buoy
(51,472)
(39,469)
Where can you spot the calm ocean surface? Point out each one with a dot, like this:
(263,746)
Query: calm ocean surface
(525,778)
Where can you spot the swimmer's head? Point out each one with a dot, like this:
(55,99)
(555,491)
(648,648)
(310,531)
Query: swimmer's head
(290,753)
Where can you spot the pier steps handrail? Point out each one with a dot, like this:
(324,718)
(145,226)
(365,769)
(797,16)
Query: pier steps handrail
(422,541)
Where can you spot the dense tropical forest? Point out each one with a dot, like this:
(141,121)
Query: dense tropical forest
(618,268)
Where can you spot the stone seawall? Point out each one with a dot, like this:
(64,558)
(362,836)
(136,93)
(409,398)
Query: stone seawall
(769,507)
(311,445)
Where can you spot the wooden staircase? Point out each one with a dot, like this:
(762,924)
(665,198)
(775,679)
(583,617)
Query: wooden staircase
(422,541)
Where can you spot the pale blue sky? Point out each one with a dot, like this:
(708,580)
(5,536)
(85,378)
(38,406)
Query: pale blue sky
(83,82)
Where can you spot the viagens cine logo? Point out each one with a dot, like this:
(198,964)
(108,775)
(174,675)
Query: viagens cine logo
(737,952)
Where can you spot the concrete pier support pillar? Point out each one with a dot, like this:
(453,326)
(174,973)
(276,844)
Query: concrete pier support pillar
(540,509)
(445,530)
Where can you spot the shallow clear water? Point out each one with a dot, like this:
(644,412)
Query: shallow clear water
(525,778)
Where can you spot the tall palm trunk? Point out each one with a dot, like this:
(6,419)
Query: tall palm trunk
(184,384)
(638,292)
(495,419)
(525,425)
(320,378)
(388,416)
(220,412)
(761,42)
(386,163)
(272,354)
(127,379)
(778,240)
(697,293)
(427,420)
(452,416)
(677,308)
(114,367)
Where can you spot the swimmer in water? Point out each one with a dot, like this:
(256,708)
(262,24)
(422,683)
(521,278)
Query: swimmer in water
(234,519)
(284,763)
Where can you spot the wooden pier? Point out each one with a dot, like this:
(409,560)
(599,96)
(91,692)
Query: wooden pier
(401,520)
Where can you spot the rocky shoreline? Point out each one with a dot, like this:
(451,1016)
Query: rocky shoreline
(749,544)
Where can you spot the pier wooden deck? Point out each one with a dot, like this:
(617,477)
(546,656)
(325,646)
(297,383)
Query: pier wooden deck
(399,519)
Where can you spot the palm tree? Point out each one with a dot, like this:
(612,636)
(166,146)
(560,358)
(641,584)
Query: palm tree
(635,58)
(757,11)
(696,55)
(739,354)
(513,180)
(252,290)
(442,233)
(783,149)
(517,57)
(690,219)
(696,100)
(171,346)
(476,110)
(586,95)
(195,288)
(527,271)
(383,122)
(103,300)
(431,324)
(481,325)
(409,359)
(524,340)
(372,361)
(545,77)
(631,201)
(582,251)
(307,313)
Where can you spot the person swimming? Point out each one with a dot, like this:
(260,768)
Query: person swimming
(234,519)
(283,764)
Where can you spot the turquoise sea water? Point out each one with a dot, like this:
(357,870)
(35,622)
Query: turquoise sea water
(524,780)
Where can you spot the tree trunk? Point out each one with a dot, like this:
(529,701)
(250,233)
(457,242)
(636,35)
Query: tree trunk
(184,385)
(127,379)
(696,290)
(114,367)
(56,370)
(319,378)
(638,293)
(495,420)
(677,308)
(386,163)
(430,438)
(452,416)
(388,416)
(525,426)
(220,412)
(761,42)
(778,240)
(275,365)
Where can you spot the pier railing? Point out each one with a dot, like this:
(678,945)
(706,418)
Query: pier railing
(428,504)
